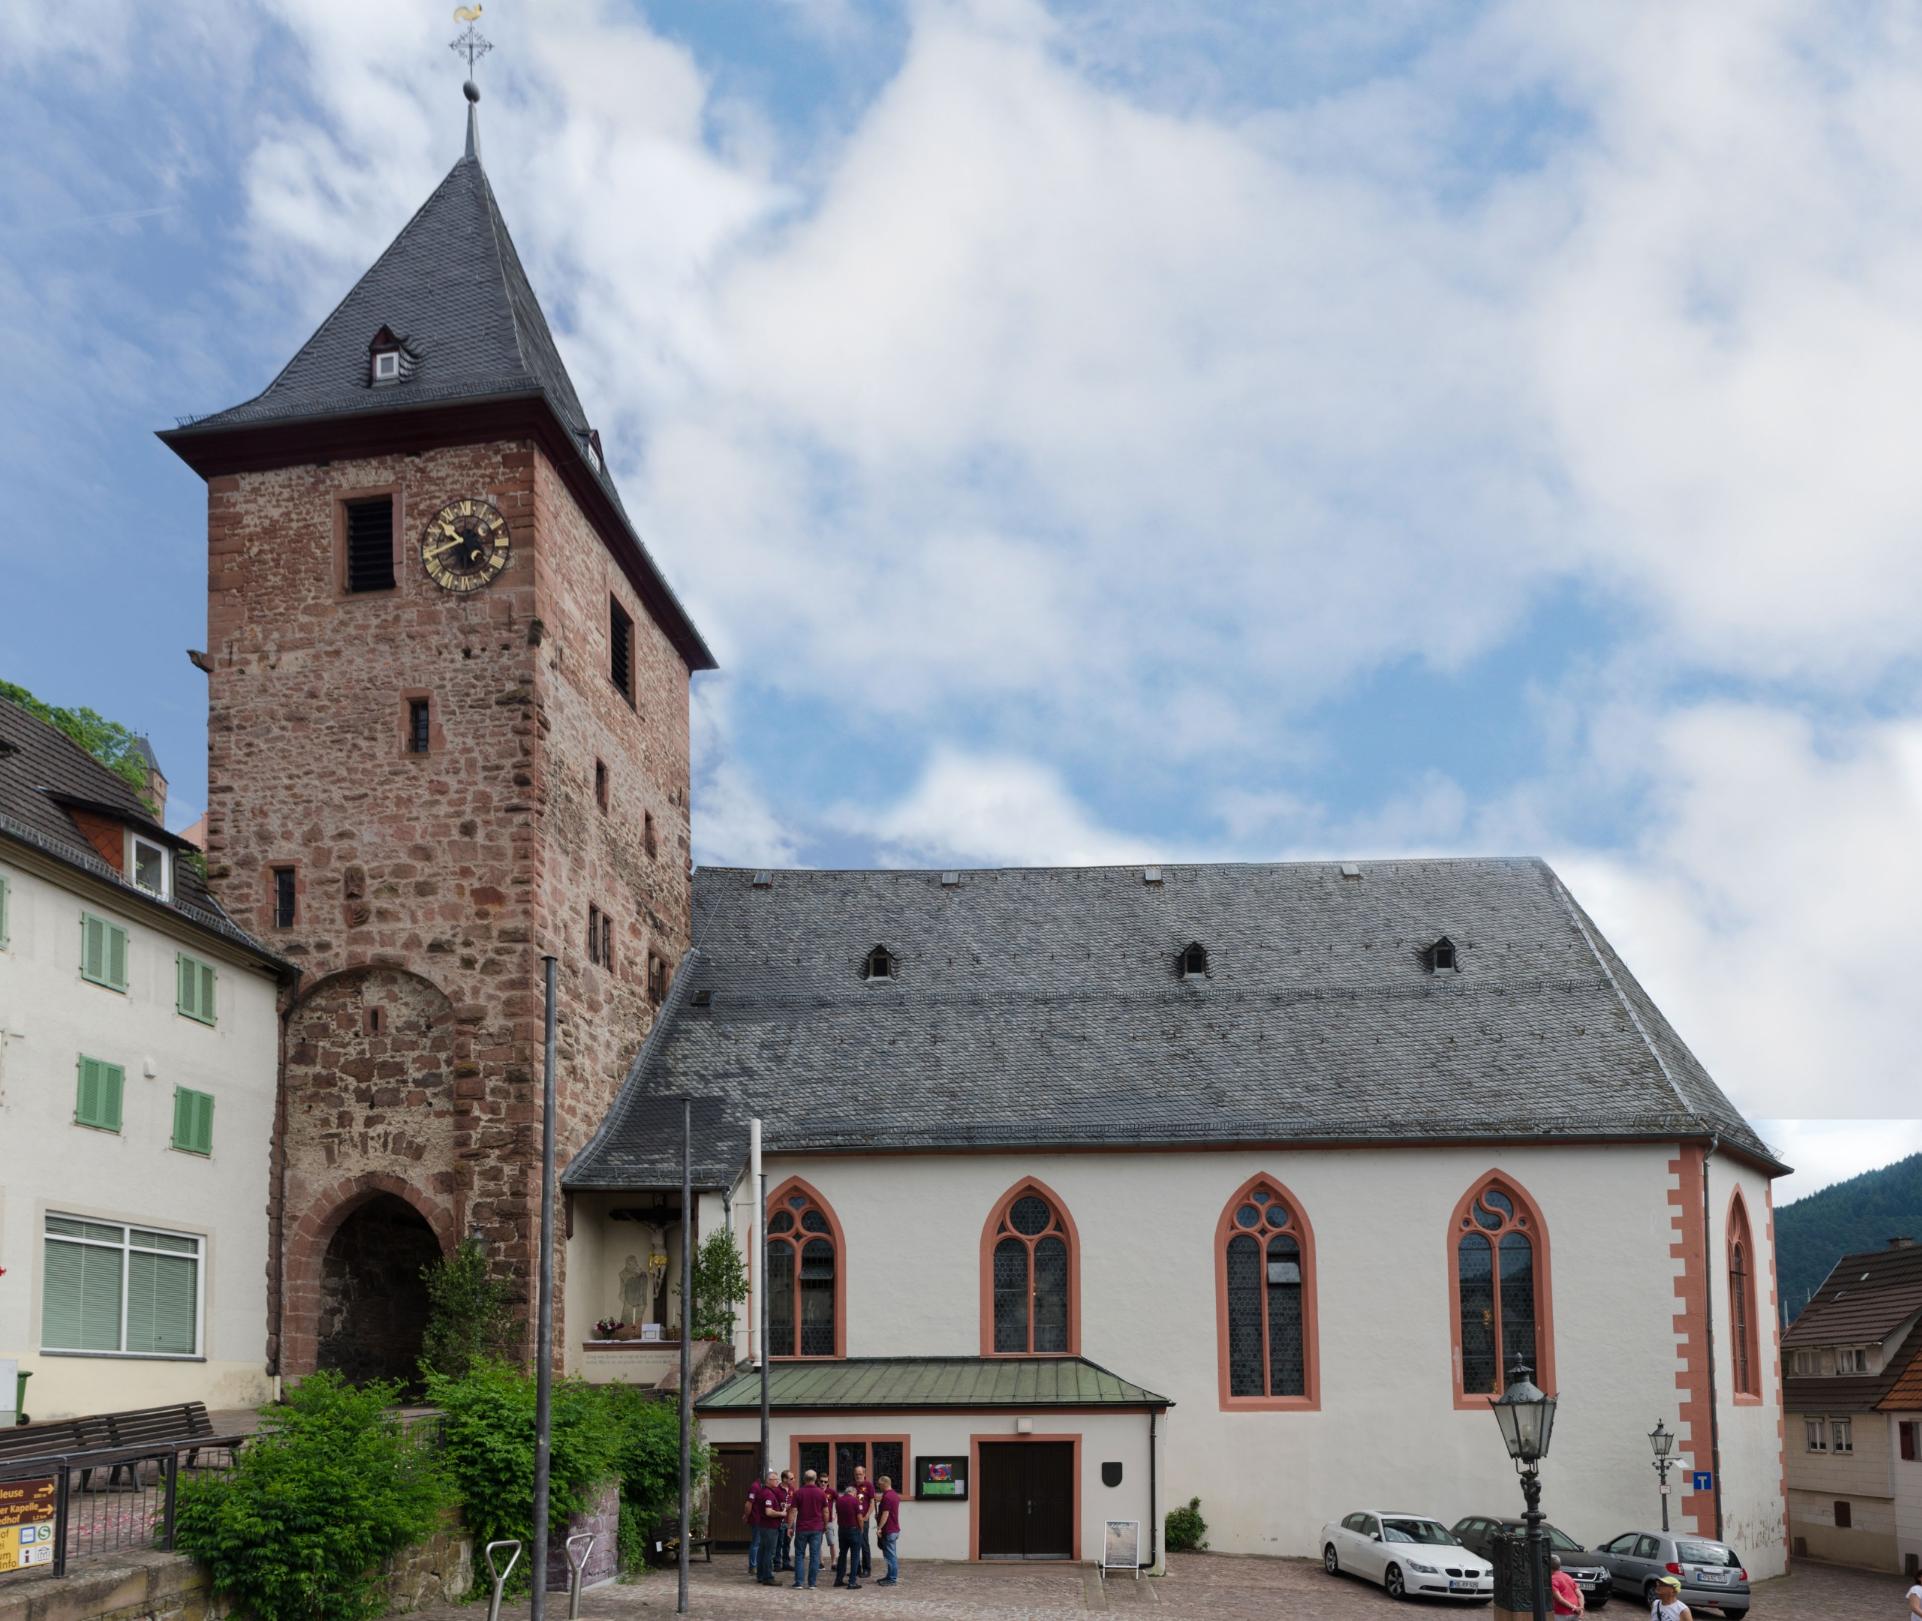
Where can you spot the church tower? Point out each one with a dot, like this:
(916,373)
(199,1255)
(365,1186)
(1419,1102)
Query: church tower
(448,734)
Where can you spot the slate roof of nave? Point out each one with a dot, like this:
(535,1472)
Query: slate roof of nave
(1042,1007)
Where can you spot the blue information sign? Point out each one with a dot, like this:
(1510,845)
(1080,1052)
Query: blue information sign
(1704,1480)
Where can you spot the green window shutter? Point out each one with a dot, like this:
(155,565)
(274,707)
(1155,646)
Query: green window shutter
(97,1102)
(80,1297)
(193,1121)
(103,952)
(194,988)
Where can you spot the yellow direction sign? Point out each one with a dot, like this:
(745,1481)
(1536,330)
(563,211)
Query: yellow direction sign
(26,1523)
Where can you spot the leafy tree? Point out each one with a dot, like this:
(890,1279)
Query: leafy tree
(107,741)
(1863,1213)
(469,1317)
(720,1284)
(331,1487)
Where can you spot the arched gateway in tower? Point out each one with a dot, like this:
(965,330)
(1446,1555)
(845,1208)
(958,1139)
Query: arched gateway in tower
(448,733)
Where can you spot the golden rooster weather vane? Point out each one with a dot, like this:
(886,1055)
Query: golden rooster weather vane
(471,44)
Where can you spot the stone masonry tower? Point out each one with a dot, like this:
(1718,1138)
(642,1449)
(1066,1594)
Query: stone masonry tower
(448,733)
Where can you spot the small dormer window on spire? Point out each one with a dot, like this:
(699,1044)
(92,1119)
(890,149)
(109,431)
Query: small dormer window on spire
(389,360)
(1442,958)
(879,964)
(1193,962)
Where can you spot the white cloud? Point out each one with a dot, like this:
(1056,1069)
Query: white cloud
(989,810)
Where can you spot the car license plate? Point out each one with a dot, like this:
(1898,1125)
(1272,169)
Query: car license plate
(1713,1578)
(1461,1587)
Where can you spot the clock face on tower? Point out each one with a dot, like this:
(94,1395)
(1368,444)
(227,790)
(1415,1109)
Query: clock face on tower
(465,545)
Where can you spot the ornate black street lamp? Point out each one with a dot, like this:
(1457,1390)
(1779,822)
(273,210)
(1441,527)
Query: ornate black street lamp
(1661,1441)
(1527,1417)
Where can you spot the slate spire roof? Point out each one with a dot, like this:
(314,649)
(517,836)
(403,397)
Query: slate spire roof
(1046,1007)
(451,288)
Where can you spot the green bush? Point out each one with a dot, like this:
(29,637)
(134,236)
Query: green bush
(487,1449)
(1186,1529)
(650,1463)
(720,1284)
(331,1487)
(468,1314)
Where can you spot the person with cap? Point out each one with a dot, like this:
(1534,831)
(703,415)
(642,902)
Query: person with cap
(1561,1586)
(1668,1605)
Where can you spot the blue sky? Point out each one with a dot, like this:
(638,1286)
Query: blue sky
(1104,431)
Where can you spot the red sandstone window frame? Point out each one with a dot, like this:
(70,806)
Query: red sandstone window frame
(1528,1219)
(1744,1331)
(274,870)
(1304,1235)
(404,716)
(992,1233)
(832,1439)
(777,1201)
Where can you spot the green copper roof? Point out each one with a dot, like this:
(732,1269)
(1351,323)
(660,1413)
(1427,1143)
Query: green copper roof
(940,1381)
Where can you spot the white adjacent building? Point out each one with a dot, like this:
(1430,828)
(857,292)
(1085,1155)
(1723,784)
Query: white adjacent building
(1092,1191)
(139,1053)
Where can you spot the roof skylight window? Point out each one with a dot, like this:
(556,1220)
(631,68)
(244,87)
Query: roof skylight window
(1442,958)
(1193,962)
(879,964)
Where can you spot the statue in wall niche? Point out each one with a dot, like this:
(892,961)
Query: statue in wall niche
(636,1287)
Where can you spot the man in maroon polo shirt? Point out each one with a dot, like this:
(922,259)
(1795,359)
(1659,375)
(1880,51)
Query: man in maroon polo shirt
(887,1520)
(766,1509)
(847,1515)
(865,1490)
(808,1514)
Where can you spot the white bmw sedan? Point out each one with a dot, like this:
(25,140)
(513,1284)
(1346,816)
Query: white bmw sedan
(1407,1554)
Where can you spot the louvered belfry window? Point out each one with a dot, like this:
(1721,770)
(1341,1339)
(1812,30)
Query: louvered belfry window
(620,649)
(370,544)
(1266,1273)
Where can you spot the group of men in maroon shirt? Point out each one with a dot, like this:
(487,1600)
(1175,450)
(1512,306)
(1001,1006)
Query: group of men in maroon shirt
(776,1509)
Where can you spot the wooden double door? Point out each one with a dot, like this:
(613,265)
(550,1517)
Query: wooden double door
(1026,1494)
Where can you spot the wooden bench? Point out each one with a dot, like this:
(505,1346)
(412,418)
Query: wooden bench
(162,1428)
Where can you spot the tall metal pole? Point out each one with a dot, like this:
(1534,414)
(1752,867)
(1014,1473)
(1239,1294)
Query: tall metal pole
(1537,1548)
(687,1330)
(544,1316)
(757,1190)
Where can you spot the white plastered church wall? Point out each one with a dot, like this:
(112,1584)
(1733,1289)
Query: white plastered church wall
(49,1016)
(1749,1431)
(1387,1432)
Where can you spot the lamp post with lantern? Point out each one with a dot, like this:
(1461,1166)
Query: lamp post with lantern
(1661,1442)
(1527,1417)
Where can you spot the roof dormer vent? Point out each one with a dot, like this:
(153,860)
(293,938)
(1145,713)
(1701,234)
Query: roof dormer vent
(762,879)
(1441,957)
(389,360)
(1151,875)
(1193,961)
(879,964)
(950,880)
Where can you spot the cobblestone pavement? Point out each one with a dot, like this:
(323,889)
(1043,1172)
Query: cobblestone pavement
(1219,1586)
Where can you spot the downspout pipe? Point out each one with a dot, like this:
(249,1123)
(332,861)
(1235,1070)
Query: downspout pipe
(1708,1324)
(1154,1507)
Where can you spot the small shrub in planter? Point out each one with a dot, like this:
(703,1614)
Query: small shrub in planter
(1186,1530)
(331,1487)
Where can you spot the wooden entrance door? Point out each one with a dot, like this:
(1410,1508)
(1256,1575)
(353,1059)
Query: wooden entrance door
(1026,1492)
(727,1494)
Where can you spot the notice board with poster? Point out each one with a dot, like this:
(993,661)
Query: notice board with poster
(27,1509)
(1121,1546)
(939,1477)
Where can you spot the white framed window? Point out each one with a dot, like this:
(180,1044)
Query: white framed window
(1843,1432)
(1804,1362)
(387,366)
(113,1290)
(1816,1433)
(149,866)
(1852,1359)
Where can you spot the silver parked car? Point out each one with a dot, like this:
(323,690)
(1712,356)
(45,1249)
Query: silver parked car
(1711,1572)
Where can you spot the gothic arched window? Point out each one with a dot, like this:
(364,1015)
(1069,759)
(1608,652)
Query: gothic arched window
(1029,1265)
(1498,1266)
(1741,1301)
(1265,1286)
(806,1288)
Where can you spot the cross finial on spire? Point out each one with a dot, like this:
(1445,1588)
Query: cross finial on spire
(473,45)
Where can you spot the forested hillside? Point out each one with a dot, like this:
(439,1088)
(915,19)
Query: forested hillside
(1863,1213)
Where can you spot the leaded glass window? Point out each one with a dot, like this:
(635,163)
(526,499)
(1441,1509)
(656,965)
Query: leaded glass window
(1032,1267)
(1741,1294)
(803,1277)
(1497,1290)
(1265,1277)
